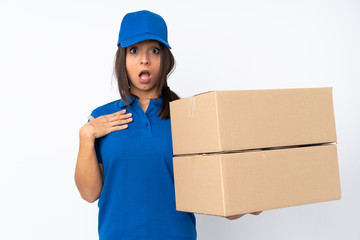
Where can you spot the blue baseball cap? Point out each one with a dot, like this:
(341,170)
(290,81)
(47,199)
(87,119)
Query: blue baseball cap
(140,26)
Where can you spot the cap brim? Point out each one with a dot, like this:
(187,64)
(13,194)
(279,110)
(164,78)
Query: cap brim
(139,38)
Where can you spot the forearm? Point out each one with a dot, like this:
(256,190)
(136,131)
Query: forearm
(88,177)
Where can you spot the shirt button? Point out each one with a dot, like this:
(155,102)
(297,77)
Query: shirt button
(149,114)
(146,124)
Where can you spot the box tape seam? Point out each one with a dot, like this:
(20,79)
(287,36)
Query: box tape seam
(191,107)
(222,185)
(217,120)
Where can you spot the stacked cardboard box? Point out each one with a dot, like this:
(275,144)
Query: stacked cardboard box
(246,151)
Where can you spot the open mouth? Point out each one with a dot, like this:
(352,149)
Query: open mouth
(145,76)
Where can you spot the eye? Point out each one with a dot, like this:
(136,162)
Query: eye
(133,50)
(155,50)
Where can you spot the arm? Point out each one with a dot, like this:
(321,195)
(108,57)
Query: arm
(89,174)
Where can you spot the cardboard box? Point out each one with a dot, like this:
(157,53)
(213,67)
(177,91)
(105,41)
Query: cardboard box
(235,183)
(222,121)
(248,151)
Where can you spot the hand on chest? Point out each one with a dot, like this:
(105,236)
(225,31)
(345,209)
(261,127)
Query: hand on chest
(146,135)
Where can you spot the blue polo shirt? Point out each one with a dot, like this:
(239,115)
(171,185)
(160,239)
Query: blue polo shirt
(137,200)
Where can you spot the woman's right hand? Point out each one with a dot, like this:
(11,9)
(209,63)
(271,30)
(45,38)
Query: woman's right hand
(103,125)
(240,215)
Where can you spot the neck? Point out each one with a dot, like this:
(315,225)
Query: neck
(145,96)
(144,99)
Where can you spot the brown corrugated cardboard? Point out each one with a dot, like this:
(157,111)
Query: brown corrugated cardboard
(222,121)
(234,183)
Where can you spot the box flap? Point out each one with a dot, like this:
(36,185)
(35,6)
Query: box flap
(282,178)
(197,180)
(272,118)
(192,119)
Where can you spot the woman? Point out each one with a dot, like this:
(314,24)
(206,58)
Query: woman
(125,153)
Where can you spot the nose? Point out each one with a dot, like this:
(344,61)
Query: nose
(145,59)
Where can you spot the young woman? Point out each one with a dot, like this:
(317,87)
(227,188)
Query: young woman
(125,153)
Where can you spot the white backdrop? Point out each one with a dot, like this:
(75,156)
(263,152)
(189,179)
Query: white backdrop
(56,60)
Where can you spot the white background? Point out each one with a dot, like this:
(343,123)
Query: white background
(56,60)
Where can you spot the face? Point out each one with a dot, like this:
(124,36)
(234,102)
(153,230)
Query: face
(143,68)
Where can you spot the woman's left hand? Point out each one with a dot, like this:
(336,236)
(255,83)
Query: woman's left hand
(240,215)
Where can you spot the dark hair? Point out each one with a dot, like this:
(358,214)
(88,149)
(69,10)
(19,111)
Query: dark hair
(166,68)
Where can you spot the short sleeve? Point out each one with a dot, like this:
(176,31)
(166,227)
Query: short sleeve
(97,144)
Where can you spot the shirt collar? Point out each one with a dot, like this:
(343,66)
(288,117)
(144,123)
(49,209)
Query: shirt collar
(157,101)
(130,101)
